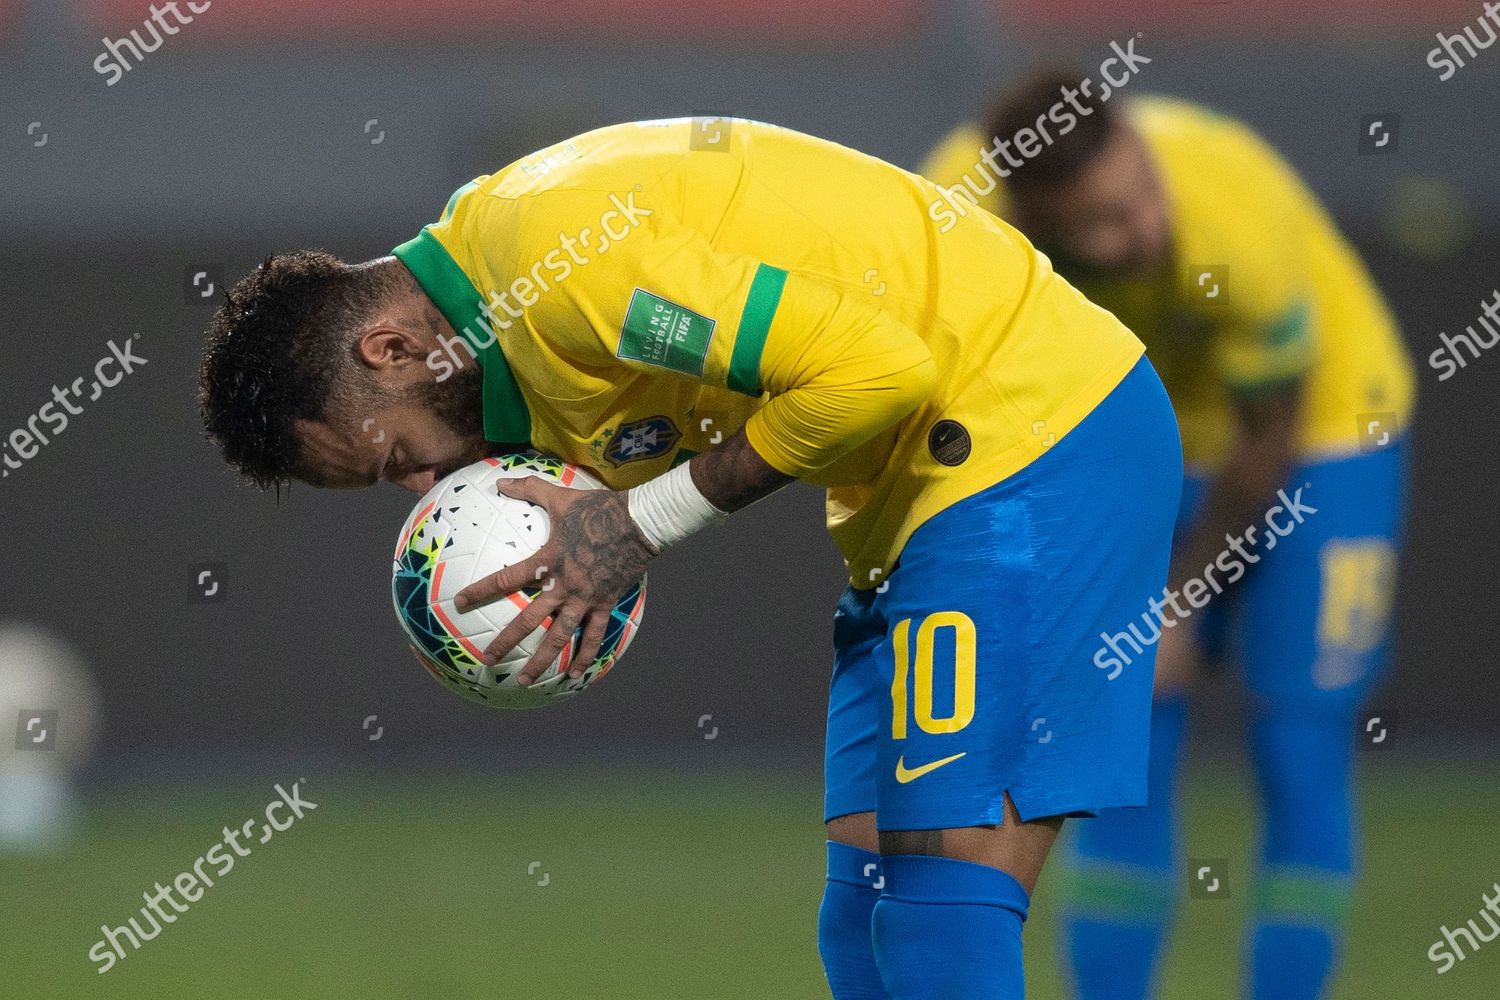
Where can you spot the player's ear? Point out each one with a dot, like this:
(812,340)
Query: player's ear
(383,346)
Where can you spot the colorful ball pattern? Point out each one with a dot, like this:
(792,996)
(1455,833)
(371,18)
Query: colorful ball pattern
(464,530)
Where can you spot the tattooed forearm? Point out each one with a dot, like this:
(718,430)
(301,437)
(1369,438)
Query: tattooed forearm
(602,541)
(733,475)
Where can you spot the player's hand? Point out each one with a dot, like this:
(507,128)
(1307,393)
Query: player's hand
(593,557)
(1179,660)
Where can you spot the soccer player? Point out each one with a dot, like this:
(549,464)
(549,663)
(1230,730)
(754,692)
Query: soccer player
(1292,389)
(701,311)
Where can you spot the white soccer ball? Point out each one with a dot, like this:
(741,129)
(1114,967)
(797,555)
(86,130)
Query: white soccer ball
(464,530)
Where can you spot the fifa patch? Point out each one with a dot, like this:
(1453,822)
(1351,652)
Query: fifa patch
(664,333)
(640,439)
(949,442)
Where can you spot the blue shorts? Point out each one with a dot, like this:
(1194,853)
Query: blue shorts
(1310,623)
(973,671)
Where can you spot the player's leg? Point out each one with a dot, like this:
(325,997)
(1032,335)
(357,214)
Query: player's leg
(854,881)
(949,921)
(1122,881)
(1305,870)
(850,893)
(998,719)
(1316,636)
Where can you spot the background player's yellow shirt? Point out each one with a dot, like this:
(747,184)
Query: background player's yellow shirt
(1284,294)
(655,286)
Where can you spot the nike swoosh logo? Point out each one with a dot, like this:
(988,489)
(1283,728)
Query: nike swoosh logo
(905,774)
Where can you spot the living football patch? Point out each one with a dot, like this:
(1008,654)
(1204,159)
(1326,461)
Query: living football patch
(664,333)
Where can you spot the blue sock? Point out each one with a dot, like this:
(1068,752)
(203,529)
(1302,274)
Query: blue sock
(1305,877)
(844,924)
(949,929)
(1121,879)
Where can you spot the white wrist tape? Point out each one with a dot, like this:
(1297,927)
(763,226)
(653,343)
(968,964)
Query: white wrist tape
(669,508)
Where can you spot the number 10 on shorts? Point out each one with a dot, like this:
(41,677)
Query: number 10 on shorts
(920,676)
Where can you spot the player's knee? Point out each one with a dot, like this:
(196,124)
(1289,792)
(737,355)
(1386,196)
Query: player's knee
(1304,763)
(856,830)
(1018,849)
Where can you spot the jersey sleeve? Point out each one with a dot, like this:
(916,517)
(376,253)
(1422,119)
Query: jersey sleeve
(1260,353)
(660,299)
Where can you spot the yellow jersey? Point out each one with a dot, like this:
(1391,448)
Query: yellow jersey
(636,294)
(1262,289)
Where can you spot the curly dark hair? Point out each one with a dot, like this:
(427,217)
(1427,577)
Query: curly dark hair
(1034,99)
(279,350)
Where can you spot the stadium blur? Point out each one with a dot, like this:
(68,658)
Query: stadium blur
(192,644)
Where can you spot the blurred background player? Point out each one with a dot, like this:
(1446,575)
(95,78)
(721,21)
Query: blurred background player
(1288,374)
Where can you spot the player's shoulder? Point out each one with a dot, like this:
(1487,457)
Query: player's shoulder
(561,187)
(590,160)
(1181,129)
(958,162)
(955,153)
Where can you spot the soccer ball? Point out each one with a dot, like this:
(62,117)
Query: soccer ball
(463,530)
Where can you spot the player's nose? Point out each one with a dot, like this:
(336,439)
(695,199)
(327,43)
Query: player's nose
(419,480)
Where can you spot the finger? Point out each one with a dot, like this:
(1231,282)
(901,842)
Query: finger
(532,489)
(558,638)
(533,571)
(535,615)
(593,638)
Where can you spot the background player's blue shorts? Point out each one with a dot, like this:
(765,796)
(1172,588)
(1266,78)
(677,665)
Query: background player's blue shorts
(1310,622)
(972,673)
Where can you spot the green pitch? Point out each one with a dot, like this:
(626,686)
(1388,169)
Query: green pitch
(654,885)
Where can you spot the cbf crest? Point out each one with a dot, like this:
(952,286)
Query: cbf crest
(641,439)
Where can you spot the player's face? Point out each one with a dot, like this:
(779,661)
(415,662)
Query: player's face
(1113,217)
(416,436)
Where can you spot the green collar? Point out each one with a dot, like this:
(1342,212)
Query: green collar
(506,417)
